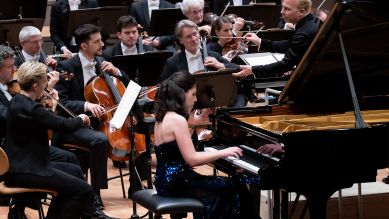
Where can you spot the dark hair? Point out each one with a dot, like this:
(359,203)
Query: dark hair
(171,94)
(125,21)
(218,23)
(82,33)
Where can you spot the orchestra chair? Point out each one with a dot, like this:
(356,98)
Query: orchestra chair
(16,194)
(177,207)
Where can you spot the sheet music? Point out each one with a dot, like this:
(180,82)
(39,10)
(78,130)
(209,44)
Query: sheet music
(125,104)
(264,58)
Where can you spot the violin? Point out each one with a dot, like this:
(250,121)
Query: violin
(234,48)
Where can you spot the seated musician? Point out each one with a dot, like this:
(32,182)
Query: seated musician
(127,32)
(71,94)
(225,28)
(30,39)
(194,11)
(298,13)
(137,10)
(223,197)
(190,57)
(7,69)
(59,23)
(27,147)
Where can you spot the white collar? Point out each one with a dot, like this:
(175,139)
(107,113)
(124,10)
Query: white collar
(189,55)
(30,58)
(128,50)
(85,62)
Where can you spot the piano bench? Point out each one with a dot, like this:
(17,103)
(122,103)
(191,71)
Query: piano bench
(177,207)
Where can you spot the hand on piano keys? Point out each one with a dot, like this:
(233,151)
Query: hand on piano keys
(271,149)
(232,152)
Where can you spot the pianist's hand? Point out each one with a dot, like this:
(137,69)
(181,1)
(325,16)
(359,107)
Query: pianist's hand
(271,149)
(232,151)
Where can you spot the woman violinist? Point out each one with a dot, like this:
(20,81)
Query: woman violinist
(27,147)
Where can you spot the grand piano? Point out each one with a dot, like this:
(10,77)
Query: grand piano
(333,129)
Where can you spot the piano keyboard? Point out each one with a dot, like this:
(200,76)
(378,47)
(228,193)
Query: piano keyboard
(251,161)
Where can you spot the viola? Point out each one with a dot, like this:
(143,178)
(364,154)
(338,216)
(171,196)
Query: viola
(107,92)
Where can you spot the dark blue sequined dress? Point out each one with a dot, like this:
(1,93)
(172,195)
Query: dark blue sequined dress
(223,197)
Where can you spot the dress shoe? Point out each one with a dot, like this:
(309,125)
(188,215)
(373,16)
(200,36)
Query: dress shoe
(13,214)
(99,214)
(98,201)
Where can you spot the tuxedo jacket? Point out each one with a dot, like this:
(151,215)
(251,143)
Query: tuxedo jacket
(219,5)
(19,59)
(59,21)
(27,144)
(71,92)
(116,50)
(140,11)
(294,48)
(178,62)
(4,102)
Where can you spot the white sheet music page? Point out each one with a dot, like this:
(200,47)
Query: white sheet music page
(125,104)
(264,58)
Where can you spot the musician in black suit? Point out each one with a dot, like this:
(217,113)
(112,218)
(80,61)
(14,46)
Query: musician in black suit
(219,5)
(298,13)
(141,10)
(190,57)
(59,23)
(30,39)
(7,67)
(27,147)
(71,94)
(127,32)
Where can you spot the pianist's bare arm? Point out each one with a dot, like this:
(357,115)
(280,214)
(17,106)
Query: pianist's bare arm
(175,127)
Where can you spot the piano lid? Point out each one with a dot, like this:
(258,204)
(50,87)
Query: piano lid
(320,78)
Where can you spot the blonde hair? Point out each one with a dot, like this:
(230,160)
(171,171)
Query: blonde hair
(304,5)
(30,73)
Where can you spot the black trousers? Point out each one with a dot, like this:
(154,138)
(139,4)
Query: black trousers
(75,196)
(60,155)
(94,141)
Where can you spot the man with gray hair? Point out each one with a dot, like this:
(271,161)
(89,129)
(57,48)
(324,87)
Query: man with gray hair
(30,39)
(190,57)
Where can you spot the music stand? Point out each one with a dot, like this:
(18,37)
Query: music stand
(269,15)
(216,88)
(104,17)
(9,29)
(143,68)
(170,16)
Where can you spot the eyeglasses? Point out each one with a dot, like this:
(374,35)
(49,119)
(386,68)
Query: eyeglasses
(36,42)
(195,12)
(190,36)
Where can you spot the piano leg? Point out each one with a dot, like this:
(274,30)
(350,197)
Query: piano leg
(317,203)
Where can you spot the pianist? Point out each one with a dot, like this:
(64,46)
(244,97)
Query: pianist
(223,197)
(298,13)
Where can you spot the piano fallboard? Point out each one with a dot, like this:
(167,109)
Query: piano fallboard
(319,149)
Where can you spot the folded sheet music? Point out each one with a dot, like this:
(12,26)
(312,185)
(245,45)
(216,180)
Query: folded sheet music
(125,104)
(264,58)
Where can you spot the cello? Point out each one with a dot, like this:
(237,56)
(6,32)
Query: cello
(107,91)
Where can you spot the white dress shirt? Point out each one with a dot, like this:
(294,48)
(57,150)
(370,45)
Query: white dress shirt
(88,68)
(237,2)
(4,89)
(153,4)
(30,58)
(195,61)
(127,50)
(74,4)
